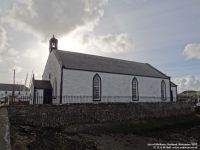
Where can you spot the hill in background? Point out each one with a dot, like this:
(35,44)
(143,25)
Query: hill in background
(189,93)
(190,96)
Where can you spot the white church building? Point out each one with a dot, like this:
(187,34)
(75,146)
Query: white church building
(71,77)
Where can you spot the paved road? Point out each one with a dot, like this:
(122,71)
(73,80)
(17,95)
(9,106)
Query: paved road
(4,130)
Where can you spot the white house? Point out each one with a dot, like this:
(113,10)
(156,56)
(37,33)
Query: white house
(80,78)
(8,89)
(20,92)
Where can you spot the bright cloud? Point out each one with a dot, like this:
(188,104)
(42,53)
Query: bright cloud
(63,18)
(98,44)
(108,43)
(192,50)
(30,53)
(59,17)
(187,83)
(12,52)
(3,39)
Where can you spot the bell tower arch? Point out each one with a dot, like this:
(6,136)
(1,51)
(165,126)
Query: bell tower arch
(53,44)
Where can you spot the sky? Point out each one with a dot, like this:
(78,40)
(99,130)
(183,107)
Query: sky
(164,33)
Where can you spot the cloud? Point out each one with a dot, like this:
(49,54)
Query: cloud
(18,69)
(108,43)
(89,42)
(12,52)
(62,18)
(30,23)
(187,83)
(192,50)
(58,17)
(30,53)
(3,39)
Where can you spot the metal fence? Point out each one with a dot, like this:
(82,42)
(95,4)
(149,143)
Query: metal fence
(109,99)
(70,99)
(16,100)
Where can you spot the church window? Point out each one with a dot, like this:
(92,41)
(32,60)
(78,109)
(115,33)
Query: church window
(55,88)
(96,88)
(135,92)
(49,76)
(163,90)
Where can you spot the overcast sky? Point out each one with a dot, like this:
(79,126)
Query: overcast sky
(163,33)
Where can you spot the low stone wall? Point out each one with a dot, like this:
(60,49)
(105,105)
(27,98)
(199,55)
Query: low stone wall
(64,115)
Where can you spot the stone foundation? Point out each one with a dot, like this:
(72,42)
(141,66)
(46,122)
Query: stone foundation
(65,115)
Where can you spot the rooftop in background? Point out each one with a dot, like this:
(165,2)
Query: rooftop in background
(9,87)
(79,61)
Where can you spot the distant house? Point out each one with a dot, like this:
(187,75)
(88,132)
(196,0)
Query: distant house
(7,90)
(76,77)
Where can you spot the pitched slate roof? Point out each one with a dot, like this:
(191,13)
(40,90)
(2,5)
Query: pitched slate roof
(42,84)
(79,61)
(9,87)
(172,84)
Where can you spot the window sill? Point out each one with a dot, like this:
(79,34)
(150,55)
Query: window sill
(135,99)
(96,100)
(163,99)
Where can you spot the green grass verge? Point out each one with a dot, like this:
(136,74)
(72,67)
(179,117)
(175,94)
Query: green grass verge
(142,127)
(12,134)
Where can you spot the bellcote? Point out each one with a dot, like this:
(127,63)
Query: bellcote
(53,44)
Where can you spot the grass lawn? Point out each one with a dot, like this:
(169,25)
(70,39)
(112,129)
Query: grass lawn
(121,135)
(144,126)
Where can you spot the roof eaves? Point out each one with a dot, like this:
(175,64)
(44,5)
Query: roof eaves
(173,84)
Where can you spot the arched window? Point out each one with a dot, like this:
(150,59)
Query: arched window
(49,76)
(135,92)
(55,88)
(96,88)
(163,90)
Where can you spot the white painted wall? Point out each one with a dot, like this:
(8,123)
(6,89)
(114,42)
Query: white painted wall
(38,96)
(174,92)
(115,87)
(53,67)
(22,96)
(32,89)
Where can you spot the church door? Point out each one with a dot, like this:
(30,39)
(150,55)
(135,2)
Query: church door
(171,94)
(47,99)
